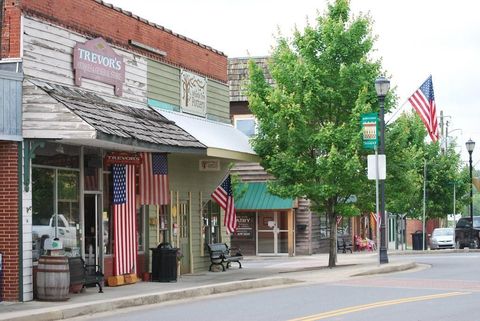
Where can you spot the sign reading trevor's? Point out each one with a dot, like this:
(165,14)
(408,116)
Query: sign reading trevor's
(95,60)
(193,93)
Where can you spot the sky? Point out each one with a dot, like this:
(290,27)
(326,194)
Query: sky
(414,39)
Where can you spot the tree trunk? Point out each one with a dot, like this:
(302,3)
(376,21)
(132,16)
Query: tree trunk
(332,258)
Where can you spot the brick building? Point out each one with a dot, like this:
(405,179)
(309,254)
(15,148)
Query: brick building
(91,87)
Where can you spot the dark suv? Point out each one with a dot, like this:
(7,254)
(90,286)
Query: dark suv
(466,235)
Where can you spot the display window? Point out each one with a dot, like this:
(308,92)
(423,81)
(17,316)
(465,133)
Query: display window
(55,199)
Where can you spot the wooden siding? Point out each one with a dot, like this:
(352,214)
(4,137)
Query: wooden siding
(307,241)
(218,108)
(164,83)
(185,177)
(251,172)
(11,106)
(48,55)
(164,88)
(45,117)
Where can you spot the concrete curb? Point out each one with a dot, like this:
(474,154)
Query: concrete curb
(66,311)
(388,269)
(80,309)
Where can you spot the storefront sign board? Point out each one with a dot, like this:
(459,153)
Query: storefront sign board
(193,93)
(95,60)
(122,158)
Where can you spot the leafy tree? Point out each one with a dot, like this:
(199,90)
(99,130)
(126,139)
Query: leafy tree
(309,120)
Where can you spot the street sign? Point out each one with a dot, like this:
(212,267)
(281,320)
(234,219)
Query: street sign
(372,167)
(370,130)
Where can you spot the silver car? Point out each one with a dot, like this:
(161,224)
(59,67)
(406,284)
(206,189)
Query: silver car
(442,238)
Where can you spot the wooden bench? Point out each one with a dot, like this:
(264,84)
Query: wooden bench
(220,253)
(84,275)
(344,244)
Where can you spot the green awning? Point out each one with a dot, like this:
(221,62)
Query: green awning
(257,197)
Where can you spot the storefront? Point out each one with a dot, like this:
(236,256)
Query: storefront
(94,110)
(265,222)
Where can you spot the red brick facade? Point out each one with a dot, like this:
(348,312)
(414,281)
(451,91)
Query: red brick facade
(94,18)
(9,222)
(10,37)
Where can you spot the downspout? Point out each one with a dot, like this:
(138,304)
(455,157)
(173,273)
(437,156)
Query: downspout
(20,223)
(1,26)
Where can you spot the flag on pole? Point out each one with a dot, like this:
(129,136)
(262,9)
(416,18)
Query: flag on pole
(339,219)
(223,195)
(125,249)
(423,101)
(154,187)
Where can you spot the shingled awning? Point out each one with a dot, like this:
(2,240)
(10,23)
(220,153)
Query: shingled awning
(116,125)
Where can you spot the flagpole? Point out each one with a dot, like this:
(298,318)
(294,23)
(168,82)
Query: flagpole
(396,112)
(377,209)
(424,201)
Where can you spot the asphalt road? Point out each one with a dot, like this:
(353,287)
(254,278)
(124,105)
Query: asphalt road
(449,289)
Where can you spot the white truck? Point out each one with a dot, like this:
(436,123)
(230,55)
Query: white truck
(58,227)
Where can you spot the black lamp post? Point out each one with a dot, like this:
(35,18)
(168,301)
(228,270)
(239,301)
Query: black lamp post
(470,146)
(382,85)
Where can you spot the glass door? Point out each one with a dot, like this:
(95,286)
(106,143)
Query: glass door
(272,235)
(94,229)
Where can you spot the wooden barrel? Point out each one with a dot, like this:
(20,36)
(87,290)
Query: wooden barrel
(53,278)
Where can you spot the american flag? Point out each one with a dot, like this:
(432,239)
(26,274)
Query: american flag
(423,101)
(125,249)
(154,187)
(223,195)
(91,179)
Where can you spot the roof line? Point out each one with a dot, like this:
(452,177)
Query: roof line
(152,24)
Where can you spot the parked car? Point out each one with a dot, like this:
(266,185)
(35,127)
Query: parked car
(442,238)
(58,226)
(467,235)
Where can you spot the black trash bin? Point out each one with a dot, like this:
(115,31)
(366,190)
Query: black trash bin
(417,239)
(164,263)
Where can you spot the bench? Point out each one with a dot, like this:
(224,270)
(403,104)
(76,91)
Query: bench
(220,253)
(344,244)
(83,275)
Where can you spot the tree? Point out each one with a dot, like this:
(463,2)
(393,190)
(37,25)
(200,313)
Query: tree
(407,152)
(309,120)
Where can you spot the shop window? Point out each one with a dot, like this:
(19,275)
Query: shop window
(140,230)
(158,224)
(247,124)
(343,227)
(57,155)
(211,224)
(107,214)
(55,209)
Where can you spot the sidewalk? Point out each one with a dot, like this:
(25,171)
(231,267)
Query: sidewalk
(257,272)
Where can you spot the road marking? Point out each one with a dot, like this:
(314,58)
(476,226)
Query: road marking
(374,305)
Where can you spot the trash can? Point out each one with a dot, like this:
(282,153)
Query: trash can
(164,263)
(417,239)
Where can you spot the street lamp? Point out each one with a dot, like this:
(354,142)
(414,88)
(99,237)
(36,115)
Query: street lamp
(470,146)
(382,85)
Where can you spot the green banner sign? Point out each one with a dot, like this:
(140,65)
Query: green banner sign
(370,130)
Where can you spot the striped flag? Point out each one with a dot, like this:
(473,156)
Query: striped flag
(423,101)
(223,195)
(91,179)
(154,187)
(125,249)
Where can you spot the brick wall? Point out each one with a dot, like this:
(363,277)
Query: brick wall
(414,225)
(10,31)
(9,237)
(96,19)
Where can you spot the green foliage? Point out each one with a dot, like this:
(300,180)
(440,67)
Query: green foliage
(309,120)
